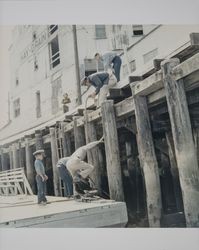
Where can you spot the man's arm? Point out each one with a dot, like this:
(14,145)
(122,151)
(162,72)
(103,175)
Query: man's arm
(92,144)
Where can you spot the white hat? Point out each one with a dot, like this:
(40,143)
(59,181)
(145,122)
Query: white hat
(40,151)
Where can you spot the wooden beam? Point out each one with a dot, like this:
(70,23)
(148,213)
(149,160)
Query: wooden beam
(29,164)
(183,140)
(148,161)
(93,155)
(54,163)
(112,151)
(174,172)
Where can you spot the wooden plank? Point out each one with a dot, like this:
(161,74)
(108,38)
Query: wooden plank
(29,164)
(148,161)
(112,151)
(54,163)
(154,82)
(183,141)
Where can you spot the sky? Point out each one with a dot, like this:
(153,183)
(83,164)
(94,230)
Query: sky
(5,41)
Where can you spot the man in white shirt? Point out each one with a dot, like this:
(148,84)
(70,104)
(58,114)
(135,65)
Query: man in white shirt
(78,168)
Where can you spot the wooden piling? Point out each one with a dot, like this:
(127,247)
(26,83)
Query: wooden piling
(15,156)
(54,162)
(79,135)
(93,155)
(38,140)
(11,157)
(66,141)
(3,160)
(148,161)
(112,151)
(183,141)
(29,164)
(174,172)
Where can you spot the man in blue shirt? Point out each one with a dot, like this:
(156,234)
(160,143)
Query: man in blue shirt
(41,177)
(111,61)
(102,82)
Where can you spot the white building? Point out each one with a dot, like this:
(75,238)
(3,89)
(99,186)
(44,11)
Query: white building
(43,65)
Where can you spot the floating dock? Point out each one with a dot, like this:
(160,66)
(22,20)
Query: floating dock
(23,211)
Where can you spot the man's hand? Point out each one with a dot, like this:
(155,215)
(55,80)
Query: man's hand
(92,95)
(45,177)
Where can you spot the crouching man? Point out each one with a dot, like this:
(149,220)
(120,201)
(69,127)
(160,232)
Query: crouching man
(78,168)
(41,177)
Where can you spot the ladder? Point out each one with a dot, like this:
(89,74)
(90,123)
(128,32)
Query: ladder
(60,153)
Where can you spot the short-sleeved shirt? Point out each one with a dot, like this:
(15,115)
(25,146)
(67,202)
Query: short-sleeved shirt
(39,167)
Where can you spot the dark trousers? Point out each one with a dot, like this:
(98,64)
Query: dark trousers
(116,66)
(41,189)
(67,179)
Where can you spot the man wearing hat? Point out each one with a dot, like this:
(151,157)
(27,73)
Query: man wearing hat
(102,82)
(65,176)
(41,177)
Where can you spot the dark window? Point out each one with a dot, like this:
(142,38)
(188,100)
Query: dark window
(53,28)
(54,52)
(137,30)
(16,106)
(38,104)
(17,82)
(100,31)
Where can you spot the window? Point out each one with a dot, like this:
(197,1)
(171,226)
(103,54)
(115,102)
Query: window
(16,106)
(17,82)
(34,36)
(38,104)
(100,31)
(125,70)
(52,29)
(137,30)
(35,64)
(54,53)
(133,66)
(150,55)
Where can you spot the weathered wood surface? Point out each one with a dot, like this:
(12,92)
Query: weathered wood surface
(112,151)
(183,141)
(54,156)
(174,172)
(93,155)
(148,161)
(29,164)
(66,141)
(23,211)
